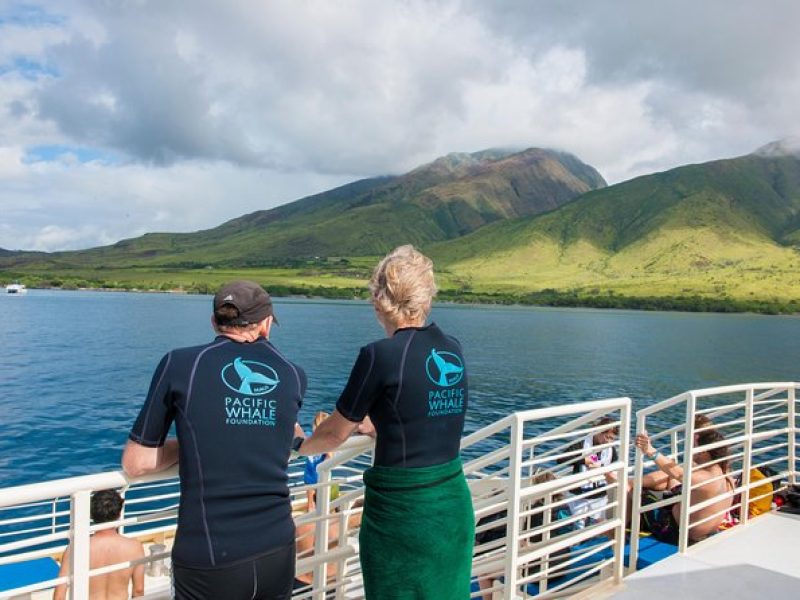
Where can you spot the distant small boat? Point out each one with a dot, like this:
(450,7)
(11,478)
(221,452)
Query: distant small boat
(16,288)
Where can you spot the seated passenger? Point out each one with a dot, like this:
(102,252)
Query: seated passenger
(658,480)
(712,482)
(305,542)
(108,547)
(534,522)
(588,460)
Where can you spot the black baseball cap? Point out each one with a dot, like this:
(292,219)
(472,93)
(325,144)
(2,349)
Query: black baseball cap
(249,298)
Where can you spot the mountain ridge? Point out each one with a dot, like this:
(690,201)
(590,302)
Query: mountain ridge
(445,198)
(714,227)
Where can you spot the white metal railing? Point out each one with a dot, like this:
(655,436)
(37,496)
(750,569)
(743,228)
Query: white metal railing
(520,486)
(47,516)
(39,520)
(759,425)
(532,547)
(509,454)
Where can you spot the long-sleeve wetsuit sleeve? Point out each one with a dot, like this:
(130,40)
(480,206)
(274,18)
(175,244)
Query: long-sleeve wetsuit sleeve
(154,420)
(362,388)
(302,381)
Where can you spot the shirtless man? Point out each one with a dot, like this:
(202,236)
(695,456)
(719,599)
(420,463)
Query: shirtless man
(305,542)
(108,547)
(712,484)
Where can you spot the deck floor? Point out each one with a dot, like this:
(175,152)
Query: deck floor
(760,559)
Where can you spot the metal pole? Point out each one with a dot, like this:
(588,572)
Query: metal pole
(620,495)
(321,533)
(53,516)
(79,546)
(636,501)
(674,443)
(512,528)
(123,494)
(688,451)
(792,436)
(747,458)
(545,560)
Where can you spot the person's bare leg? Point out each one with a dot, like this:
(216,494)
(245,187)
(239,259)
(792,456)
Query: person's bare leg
(486,583)
(658,481)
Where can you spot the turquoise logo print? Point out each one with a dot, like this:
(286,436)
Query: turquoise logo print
(250,377)
(444,368)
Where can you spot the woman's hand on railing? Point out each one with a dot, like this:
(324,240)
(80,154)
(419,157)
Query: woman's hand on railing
(643,443)
(367,428)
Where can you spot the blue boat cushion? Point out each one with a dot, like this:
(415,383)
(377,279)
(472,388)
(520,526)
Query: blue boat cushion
(28,572)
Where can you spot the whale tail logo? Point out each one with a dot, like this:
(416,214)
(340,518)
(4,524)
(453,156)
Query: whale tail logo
(254,378)
(448,366)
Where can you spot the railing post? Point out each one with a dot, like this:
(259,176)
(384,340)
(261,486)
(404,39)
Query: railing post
(674,443)
(514,495)
(123,494)
(620,493)
(792,435)
(747,458)
(688,466)
(321,533)
(636,500)
(53,515)
(544,563)
(79,545)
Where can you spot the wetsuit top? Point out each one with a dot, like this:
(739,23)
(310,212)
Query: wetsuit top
(234,405)
(413,386)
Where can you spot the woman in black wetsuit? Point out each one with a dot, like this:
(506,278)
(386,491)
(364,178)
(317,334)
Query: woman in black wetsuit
(418,524)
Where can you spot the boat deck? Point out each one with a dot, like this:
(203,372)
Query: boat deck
(761,556)
(760,423)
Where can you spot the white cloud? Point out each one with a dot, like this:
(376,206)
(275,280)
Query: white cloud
(63,205)
(216,109)
(11,163)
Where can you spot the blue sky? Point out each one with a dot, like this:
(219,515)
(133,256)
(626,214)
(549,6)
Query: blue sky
(121,118)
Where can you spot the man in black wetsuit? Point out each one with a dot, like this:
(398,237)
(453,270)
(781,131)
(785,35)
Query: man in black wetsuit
(234,402)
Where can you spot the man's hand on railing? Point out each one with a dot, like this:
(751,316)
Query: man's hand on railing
(299,438)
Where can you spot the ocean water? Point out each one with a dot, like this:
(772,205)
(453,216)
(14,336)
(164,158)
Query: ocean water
(76,365)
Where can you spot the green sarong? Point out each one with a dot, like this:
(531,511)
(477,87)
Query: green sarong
(417,533)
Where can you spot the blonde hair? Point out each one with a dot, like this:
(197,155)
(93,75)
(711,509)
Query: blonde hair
(403,286)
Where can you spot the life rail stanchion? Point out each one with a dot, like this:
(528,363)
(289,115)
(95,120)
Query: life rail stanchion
(747,459)
(793,430)
(79,555)
(688,466)
(514,499)
(621,491)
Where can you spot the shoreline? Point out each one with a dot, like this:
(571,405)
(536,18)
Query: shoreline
(544,298)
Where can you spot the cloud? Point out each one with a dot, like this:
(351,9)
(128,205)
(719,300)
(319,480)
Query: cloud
(209,110)
(67,204)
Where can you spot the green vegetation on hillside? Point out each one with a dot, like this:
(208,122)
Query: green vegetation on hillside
(719,236)
(718,230)
(322,281)
(449,197)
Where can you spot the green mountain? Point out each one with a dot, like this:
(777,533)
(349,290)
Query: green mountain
(452,196)
(727,227)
